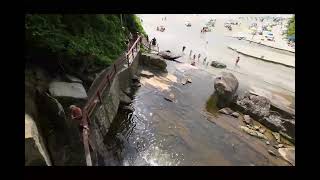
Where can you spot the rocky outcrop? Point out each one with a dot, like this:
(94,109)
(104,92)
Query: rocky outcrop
(226,86)
(256,106)
(61,133)
(169,55)
(69,90)
(124,99)
(217,64)
(153,61)
(226,111)
(36,153)
(253,132)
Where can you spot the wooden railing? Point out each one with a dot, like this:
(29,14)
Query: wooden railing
(96,96)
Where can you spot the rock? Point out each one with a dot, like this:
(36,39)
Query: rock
(288,154)
(128,108)
(226,86)
(136,84)
(267,142)
(146,74)
(275,146)
(186,81)
(256,127)
(124,99)
(73,79)
(235,114)
(67,90)
(135,78)
(36,153)
(217,64)
(226,111)
(169,55)
(247,119)
(283,110)
(189,80)
(170,97)
(280,145)
(289,127)
(272,153)
(276,136)
(273,122)
(153,61)
(253,132)
(287,137)
(256,106)
(262,130)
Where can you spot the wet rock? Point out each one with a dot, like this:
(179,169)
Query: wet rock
(276,136)
(169,55)
(36,153)
(253,132)
(153,61)
(287,137)
(289,127)
(135,78)
(272,153)
(235,114)
(127,91)
(256,106)
(267,142)
(186,81)
(146,74)
(226,111)
(226,86)
(217,64)
(124,99)
(128,108)
(288,154)
(136,85)
(275,146)
(170,97)
(73,79)
(247,119)
(283,110)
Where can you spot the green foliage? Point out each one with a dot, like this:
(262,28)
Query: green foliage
(291,26)
(99,37)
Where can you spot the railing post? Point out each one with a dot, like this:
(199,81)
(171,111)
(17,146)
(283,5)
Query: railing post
(99,95)
(128,60)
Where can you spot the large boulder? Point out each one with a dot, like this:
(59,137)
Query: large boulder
(68,93)
(169,55)
(36,153)
(217,64)
(153,61)
(226,86)
(256,106)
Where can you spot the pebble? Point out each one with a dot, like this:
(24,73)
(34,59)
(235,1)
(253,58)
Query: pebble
(267,142)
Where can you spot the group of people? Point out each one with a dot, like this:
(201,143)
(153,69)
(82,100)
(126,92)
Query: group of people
(193,63)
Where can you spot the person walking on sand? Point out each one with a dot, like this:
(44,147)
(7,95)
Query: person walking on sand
(199,56)
(238,59)
(194,56)
(183,48)
(204,60)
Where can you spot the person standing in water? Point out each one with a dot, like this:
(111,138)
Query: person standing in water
(204,60)
(238,59)
(194,56)
(199,56)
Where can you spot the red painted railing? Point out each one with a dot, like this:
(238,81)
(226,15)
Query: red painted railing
(96,96)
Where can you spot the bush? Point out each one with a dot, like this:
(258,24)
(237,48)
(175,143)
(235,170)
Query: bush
(78,36)
(291,26)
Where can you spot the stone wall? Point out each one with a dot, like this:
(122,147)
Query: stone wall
(104,113)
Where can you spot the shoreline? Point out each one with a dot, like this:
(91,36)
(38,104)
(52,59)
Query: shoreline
(259,58)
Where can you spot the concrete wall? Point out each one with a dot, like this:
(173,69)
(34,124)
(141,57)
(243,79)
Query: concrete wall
(104,113)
